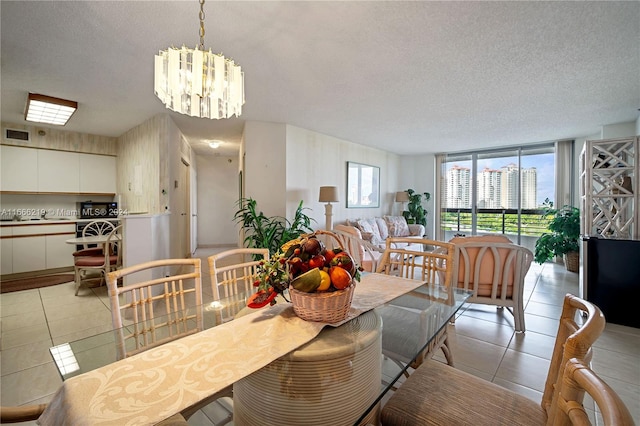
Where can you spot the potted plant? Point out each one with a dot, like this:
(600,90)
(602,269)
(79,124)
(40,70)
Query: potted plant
(415,213)
(563,238)
(269,232)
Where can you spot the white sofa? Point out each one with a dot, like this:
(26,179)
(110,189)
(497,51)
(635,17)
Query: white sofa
(372,234)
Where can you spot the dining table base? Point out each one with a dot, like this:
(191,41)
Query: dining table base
(329,381)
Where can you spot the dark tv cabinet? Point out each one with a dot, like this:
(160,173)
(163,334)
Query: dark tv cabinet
(611,278)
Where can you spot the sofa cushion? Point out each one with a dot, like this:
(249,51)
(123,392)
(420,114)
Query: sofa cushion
(382,227)
(397,225)
(370,226)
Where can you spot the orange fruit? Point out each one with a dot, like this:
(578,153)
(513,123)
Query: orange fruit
(340,278)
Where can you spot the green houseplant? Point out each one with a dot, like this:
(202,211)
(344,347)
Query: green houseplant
(270,232)
(563,238)
(415,213)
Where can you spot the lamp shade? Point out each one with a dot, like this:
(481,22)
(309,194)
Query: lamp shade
(328,194)
(402,197)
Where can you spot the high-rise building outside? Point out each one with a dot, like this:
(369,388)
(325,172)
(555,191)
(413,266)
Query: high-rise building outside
(489,189)
(509,194)
(458,188)
(495,188)
(529,188)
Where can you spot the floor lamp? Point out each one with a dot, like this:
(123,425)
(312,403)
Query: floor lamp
(328,194)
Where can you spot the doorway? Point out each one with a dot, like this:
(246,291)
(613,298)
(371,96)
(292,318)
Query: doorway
(184,205)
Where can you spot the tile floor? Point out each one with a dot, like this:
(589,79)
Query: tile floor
(484,341)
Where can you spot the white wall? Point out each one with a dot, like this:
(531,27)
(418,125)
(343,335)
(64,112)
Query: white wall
(315,160)
(418,173)
(619,130)
(217,183)
(312,160)
(264,171)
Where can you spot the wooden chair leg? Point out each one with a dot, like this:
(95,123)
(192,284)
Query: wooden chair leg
(446,350)
(78,280)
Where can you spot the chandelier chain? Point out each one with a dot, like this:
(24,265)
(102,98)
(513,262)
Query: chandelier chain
(201,15)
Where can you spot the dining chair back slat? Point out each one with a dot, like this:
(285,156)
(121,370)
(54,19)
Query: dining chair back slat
(154,311)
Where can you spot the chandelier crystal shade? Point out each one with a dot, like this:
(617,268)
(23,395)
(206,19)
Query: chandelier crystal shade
(199,83)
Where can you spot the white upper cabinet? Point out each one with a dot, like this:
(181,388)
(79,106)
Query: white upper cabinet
(19,168)
(97,173)
(58,171)
(48,171)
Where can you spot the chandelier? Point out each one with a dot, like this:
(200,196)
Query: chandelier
(197,82)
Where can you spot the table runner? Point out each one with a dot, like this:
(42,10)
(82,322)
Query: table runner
(156,384)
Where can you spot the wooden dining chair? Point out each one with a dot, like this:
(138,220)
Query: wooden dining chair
(96,227)
(234,271)
(438,394)
(433,266)
(22,413)
(161,301)
(363,252)
(579,378)
(30,413)
(163,304)
(108,258)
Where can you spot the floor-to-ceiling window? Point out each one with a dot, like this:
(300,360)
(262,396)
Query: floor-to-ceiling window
(497,191)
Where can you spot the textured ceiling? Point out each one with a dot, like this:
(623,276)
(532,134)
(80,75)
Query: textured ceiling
(406,77)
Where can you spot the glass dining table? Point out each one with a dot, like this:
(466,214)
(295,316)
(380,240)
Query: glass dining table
(407,323)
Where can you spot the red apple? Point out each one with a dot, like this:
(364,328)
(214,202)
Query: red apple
(328,256)
(344,260)
(316,261)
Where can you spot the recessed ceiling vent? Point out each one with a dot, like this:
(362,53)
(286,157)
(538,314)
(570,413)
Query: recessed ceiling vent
(17,135)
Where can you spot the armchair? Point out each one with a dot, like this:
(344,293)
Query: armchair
(493,268)
(363,252)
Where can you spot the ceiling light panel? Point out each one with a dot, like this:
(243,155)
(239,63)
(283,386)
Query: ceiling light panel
(49,110)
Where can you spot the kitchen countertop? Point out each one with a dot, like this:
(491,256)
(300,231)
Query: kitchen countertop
(24,222)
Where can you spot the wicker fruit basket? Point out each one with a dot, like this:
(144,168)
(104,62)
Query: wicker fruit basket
(330,307)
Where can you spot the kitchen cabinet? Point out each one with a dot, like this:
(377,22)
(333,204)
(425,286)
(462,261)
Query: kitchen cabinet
(97,173)
(19,171)
(32,170)
(29,254)
(27,248)
(58,171)
(58,253)
(6,251)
